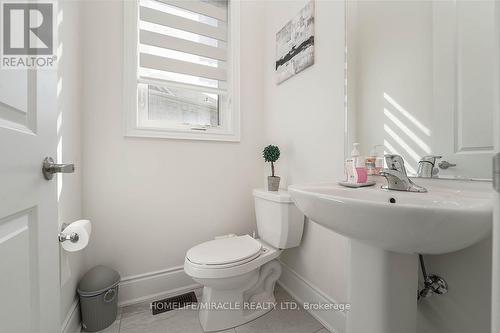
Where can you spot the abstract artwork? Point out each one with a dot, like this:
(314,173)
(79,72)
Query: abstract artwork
(295,44)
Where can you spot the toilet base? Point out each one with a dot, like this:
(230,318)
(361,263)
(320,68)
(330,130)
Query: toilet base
(231,302)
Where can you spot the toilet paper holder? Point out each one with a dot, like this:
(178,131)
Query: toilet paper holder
(73,237)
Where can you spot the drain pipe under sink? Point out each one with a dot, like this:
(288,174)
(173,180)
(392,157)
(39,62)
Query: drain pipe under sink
(433,284)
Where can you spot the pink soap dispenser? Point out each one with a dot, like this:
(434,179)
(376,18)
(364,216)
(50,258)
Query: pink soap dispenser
(359,168)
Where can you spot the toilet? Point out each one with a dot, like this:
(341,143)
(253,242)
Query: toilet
(238,273)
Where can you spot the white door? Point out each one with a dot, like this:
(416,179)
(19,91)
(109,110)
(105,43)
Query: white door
(29,249)
(464,92)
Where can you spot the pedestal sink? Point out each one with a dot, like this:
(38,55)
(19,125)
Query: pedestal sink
(451,216)
(387,230)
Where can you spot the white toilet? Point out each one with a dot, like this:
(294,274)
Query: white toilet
(239,273)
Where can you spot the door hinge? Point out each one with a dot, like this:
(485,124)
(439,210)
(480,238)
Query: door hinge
(496,172)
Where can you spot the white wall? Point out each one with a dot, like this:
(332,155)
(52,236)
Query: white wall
(304,116)
(150,200)
(69,145)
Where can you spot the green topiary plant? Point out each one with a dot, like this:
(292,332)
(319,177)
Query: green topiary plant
(271,154)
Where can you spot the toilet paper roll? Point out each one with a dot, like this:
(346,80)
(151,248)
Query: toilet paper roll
(83,228)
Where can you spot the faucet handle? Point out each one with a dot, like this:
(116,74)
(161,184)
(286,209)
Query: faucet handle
(430,158)
(426,166)
(396,176)
(395,162)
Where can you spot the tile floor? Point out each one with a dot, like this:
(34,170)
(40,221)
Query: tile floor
(138,319)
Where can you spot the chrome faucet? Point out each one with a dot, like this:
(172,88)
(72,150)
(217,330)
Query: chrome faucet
(427,166)
(396,176)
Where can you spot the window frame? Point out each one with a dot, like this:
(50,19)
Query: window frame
(229,116)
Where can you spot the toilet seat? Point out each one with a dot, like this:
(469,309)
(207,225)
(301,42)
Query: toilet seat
(229,265)
(225,252)
(264,255)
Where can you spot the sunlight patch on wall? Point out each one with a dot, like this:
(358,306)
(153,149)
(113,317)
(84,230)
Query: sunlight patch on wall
(408,115)
(59,86)
(414,137)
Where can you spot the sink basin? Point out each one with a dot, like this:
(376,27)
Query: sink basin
(451,216)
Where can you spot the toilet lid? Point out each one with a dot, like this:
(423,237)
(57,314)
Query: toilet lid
(224,250)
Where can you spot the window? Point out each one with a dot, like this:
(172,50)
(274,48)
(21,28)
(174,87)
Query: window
(181,69)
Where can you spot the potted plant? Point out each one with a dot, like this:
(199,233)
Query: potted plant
(271,154)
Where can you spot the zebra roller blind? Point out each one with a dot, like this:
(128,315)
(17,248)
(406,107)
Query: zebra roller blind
(184,42)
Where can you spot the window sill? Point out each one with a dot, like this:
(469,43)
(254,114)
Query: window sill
(157,133)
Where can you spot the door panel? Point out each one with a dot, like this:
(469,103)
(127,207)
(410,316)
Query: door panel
(18,245)
(18,100)
(475,91)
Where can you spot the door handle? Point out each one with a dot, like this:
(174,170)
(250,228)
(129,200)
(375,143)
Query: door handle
(49,168)
(445,165)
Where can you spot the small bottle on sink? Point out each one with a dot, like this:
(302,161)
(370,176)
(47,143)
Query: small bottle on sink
(355,167)
(374,162)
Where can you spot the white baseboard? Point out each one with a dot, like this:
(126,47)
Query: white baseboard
(304,291)
(154,285)
(72,322)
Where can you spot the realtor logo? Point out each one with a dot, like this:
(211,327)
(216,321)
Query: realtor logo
(28,35)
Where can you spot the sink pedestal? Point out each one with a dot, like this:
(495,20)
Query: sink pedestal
(383,291)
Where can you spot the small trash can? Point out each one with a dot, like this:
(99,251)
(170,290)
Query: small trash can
(98,291)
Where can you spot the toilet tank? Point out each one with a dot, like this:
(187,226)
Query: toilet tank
(279,221)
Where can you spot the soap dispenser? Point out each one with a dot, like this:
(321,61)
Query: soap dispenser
(355,167)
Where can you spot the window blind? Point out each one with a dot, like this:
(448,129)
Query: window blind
(183,42)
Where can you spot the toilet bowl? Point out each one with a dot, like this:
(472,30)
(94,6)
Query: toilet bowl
(238,291)
(239,273)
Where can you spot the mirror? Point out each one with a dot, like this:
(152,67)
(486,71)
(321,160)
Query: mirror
(422,80)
